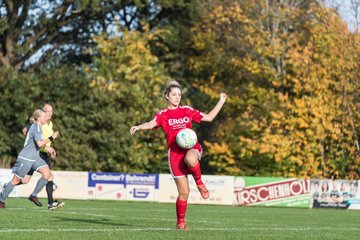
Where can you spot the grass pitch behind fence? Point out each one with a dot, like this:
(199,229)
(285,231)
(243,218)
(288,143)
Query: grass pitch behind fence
(133,220)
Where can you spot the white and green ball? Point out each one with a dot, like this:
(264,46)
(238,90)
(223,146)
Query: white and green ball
(186,138)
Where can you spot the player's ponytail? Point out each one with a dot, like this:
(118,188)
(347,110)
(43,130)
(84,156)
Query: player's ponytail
(37,113)
(170,85)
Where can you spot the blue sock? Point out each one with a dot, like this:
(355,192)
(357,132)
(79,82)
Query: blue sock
(39,185)
(6,191)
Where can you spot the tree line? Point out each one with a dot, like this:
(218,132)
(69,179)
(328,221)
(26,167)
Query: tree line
(290,68)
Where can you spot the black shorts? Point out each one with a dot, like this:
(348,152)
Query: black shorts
(46,158)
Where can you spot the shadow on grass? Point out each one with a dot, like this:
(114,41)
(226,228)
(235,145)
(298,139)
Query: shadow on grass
(93,221)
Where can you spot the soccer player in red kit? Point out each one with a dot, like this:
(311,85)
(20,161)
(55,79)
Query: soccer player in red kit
(181,161)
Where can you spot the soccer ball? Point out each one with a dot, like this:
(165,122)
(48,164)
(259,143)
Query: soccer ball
(186,138)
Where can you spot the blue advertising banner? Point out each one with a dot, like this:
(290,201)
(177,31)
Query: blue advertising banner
(142,179)
(106,178)
(121,186)
(141,187)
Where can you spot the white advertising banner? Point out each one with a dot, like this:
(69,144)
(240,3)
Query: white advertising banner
(141,187)
(220,188)
(23,190)
(123,186)
(68,185)
(5,176)
(224,190)
(105,185)
(338,194)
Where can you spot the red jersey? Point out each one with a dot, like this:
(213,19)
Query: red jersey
(173,120)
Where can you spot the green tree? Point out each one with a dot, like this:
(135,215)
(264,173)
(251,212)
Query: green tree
(127,70)
(286,78)
(31,31)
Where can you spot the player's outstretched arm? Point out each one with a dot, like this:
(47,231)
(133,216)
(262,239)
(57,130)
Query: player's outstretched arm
(42,143)
(51,151)
(144,126)
(214,112)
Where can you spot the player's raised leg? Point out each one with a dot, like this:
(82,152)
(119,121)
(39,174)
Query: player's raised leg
(192,161)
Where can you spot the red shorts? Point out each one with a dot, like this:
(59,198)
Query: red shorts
(176,156)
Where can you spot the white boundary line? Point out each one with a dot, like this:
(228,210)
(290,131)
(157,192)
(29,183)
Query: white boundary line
(268,229)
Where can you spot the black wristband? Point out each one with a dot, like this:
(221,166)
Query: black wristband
(51,138)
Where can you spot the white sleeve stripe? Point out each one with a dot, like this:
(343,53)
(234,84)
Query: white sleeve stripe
(162,111)
(192,109)
(187,107)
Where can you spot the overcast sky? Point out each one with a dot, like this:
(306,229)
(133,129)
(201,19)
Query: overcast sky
(346,10)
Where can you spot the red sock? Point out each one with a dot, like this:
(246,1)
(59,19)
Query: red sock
(196,172)
(181,206)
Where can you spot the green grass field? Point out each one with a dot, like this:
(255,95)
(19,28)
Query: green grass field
(134,220)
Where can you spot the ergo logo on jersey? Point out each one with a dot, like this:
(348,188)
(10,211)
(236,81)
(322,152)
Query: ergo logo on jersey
(178,121)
